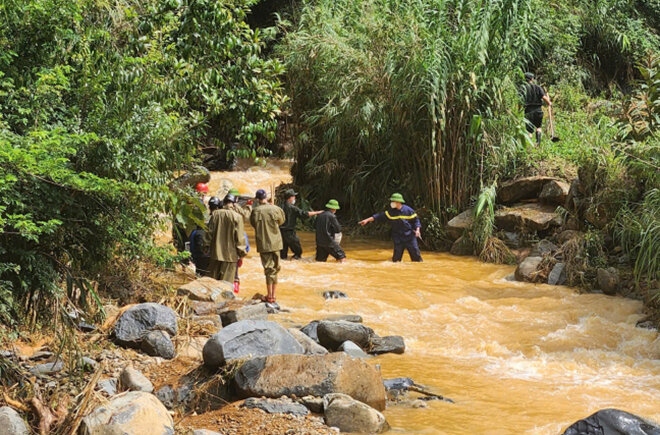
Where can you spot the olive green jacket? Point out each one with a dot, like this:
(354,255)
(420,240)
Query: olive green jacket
(266,220)
(225,239)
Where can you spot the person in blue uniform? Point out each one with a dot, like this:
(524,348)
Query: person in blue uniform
(405,227)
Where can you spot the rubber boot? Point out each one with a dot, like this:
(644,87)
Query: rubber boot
(237,286)
(538,137)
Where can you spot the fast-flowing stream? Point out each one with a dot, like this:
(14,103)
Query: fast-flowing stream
(516,358)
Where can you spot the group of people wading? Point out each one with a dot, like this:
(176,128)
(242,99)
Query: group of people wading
(218,251)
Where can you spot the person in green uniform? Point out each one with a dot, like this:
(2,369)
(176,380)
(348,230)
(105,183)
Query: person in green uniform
(290,239)
(266,219)
(225,241)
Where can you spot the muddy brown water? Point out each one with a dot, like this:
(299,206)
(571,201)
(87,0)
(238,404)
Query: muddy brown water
(516,358)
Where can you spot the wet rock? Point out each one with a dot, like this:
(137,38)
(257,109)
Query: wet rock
(352,349)
(283,405)
(310,347)
(332,334)
(334,294)
(527,269)
(131,413)
(527,217)
(557,275)
(612,421)
(158,343)
(554,192)
(389,344)
(140,319)
(207,289)
(311,375)
(246,312)
(249,338)
(463,246)
(133,380)
(350,415)
(459,224)
(608,280)
(48,368)
(11,422)
(521,189)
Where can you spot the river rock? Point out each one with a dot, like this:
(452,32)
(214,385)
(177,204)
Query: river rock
(333,333)
(107,386)
(11,422)
(311,330)
(140,319)
(349,415)
(526,270)
(389,344)
(131,413)
(158,343)
(131,379)
(352,349)
(459,224)
(355,318)
(207,289)
(543,248)
(608,280)
(249,338)
(612,422)
(316,375)
(246,312)
(520,189)
(557,275)
(554,192)
(283,405)
(528,217)
(48,368)
(310,346)
(334,294)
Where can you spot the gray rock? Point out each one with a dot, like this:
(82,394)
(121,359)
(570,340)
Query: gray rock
(526,270)
(389,344)
(459,224)
(12,423)
(133,380)
(332,334)
(88,363)
(205,432)
(107,386)
(521,188)
(131,413)
(612,422)
(355,318)
(543,248)
(167,396)
(528,217)
(47,368)
(158,343)
(352,349)
(334,294)
(249,338)
(246,312)
(350,415)
(554,192)
(310,347)
(206,289)
(311,330)
(140,319)
(313,403)
(276,406)
(608,280)
(202,308)
(557,275)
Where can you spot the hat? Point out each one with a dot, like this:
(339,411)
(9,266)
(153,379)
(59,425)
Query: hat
(214,203)
(202,187)
(289,193)
(333,204)
(529,76)
(261,194)
(397,197)
(229,198)
(234,191)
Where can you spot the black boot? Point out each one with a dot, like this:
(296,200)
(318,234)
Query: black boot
(538,137)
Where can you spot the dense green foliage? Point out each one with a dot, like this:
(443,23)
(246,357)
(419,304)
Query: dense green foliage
(99,105)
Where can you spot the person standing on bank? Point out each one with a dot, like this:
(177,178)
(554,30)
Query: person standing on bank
(290,239)
(533,97)
(225,241)
(266,219)
(327,227)
(405,227)
(201,258)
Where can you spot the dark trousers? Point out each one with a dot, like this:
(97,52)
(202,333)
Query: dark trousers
(335,250)
(411,245)
(291,241)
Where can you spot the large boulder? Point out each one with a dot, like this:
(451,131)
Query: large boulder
(245,312)
(522,188)
(612,422)
(527,269)
(140,319)
(332,334)
(207,289)
(554,192)
(529,217)
(310,346)
(389,344)
(457,226)
(249,338)
(12,423)
(311,375)
(131,413)
(349,415)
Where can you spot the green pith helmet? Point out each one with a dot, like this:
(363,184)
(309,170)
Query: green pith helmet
(289,193)
(333,204)
(234,191)
(397,197)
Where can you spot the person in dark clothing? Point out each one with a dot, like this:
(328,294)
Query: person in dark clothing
(405,227)
(199,257)
(533,97)
(288,229)
(327,230)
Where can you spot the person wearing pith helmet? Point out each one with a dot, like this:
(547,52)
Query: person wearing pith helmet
(406,228)
(288,228)
(327,230)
